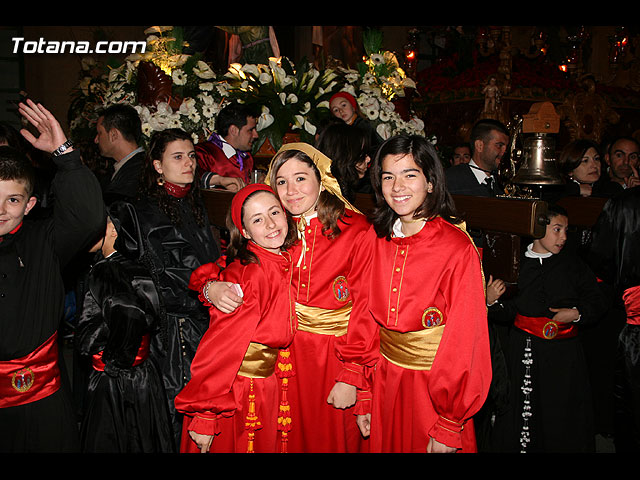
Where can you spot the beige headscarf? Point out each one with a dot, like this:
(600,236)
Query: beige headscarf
(327,180)
(322,163)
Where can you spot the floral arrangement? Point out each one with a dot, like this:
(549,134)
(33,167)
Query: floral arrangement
(188,94)
(375,84)
(185,95)
(287,98)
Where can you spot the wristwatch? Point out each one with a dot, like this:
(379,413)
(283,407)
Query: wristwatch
(62,148)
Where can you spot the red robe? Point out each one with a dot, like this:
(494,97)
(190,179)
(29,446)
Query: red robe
(212,158)
(432,283)
(217,399)
(322,279)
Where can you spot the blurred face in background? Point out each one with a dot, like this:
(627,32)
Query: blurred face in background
(589,169)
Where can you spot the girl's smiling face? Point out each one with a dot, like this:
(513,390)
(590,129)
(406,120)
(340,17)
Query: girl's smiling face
(297,186)
(264,221)
(404,185)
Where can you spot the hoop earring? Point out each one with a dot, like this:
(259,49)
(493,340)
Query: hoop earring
(160,181)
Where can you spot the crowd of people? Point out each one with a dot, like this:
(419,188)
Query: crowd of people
(302,325)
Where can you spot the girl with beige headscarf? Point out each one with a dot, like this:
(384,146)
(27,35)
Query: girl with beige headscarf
(329,229)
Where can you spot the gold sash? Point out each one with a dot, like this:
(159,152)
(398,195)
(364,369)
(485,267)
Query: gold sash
(322,321)
(411,350)
(259,361)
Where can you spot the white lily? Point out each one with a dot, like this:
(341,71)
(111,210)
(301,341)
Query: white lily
(203,70)
(265,119)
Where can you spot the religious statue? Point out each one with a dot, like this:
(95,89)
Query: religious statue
(491,95)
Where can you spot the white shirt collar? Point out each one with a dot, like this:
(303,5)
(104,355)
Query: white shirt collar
(396,230)
(228,149)
(480,174)
(540,256)
(118,165)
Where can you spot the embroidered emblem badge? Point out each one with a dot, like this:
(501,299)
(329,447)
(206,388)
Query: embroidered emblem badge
(432,317)
(341,289)
(550,330)
(22,380)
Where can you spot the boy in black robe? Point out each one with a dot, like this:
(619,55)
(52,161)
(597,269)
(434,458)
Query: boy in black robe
(36,414)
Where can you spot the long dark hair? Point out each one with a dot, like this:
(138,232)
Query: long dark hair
(346,146)
(237,246)
(149,186)
(437,203)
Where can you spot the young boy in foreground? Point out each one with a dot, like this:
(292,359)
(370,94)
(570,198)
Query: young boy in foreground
(35,407)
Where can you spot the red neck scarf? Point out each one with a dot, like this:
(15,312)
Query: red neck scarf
(176,190)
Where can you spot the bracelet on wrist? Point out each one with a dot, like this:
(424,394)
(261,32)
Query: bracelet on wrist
(205,291)
(62,148)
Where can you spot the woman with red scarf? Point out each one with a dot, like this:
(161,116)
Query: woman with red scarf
(176,229)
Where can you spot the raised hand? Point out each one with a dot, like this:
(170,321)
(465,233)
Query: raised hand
(51,135)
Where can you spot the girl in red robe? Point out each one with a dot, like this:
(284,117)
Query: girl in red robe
(232,401)
(417,346)
(329,229)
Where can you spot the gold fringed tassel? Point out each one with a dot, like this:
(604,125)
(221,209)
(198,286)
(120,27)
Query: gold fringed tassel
(252,424)
(284,371)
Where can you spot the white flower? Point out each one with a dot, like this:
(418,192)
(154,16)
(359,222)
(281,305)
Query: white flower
(369,104)
(377,59)
(283,98)
(223,89)
(206,99)
(292,98)
(265,119)
(187,106)
(143,112)
(175,122)
(209,110)
(115,73)
(235,71)
(203,70)
(280,77)
(311,76)
(194,116)
(302,122)
(147,129)
(265,78)
(179,77)
(408,83)
(206,86)
(175,61)
(252,69)
(384,130)
(157,29)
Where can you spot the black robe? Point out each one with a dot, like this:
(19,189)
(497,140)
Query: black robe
(560,398)
(32,300)
(126,408)
(176,251)
(615,257)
